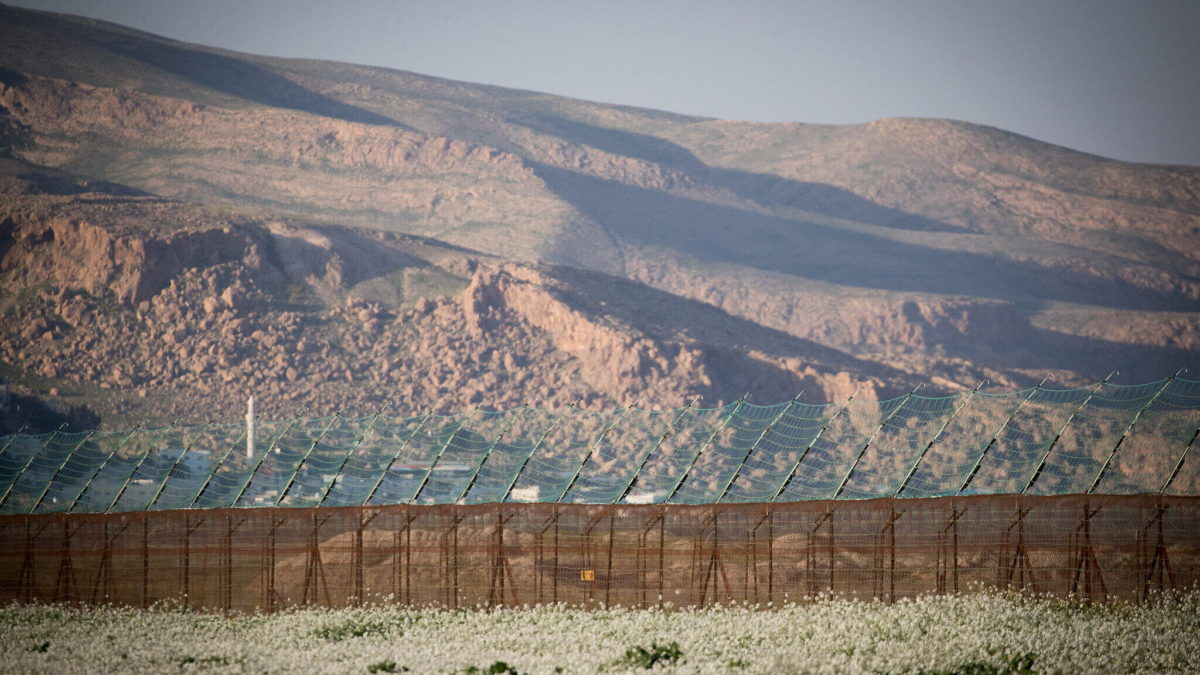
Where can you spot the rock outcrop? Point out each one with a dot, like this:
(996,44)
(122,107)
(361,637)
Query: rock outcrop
(181,226)
(184,323)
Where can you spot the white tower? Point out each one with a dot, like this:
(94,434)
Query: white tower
(250,430)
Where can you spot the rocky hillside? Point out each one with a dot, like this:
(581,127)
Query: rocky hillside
(142,307)
(181,225)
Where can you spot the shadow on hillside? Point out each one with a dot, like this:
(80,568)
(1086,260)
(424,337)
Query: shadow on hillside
(727,234)
(347,260)
(26,178)
(624,143)
(1089,357)
(726,339)
(235,77)
(764,189)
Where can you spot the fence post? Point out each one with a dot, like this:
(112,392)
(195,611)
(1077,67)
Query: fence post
(592,449)
(1041,465)
(612,535)
(361,524)
(588,557)
(1159,562)
(554,592)
(27,584)
(771,555)
(128,478)
(643,562)
(269,565)
(716,564)
(1086,563)
(403,445)
(227,562)
(291,480)
(104,572)
(403,582)
(167,475)
(67,458)
(488,453)
(185,561)
(314,568)
(752,536)
(1138,416)
(536,445)
(208,481)
(936,436)
(350,451)
(10,439)
(646,458)
(947,563)
(29,461)
(887,418)
(742,464)
(103,464)
(433,464)
(1020,562)
(887,540)
(65,582)
(996,437)
(695,456)
(455,589)
(1179,464)
(539,560)
(145,560)
(787,480)
(811,550)
(185,575)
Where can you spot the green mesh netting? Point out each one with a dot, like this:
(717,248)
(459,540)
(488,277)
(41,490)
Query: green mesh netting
(1104,439)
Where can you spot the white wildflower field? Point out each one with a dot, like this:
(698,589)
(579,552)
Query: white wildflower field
(973,633)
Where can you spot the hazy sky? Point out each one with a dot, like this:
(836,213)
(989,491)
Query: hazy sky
(1116,78)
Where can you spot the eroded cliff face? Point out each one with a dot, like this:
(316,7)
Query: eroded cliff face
(614,358)
(675,352)
(156,323)
(177,230)
(80,255)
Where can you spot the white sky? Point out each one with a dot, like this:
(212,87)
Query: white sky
(1115,78)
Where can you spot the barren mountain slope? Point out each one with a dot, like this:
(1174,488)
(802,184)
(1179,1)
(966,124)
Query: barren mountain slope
(148,309)
(896,252)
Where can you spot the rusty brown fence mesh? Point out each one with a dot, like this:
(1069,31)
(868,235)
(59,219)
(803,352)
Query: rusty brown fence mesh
(236,560)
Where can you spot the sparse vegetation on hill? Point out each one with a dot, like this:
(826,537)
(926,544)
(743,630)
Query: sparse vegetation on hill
(182,225)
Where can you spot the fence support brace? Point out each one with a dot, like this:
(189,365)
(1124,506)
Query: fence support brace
(1138,416)
(1041,465)
(882,424)
(996,436)
(936,436)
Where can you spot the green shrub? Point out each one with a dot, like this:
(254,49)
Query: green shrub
(640,657)
(1017,665)
(497,668)
(388,666)
(355,628)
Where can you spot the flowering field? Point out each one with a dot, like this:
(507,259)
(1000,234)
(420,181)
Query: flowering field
(977,633)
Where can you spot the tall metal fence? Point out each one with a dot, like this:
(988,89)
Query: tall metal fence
(1103,439)
(235,560)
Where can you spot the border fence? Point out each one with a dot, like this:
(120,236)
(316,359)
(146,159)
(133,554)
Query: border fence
(1090,492)
(1104,439)
(237,560)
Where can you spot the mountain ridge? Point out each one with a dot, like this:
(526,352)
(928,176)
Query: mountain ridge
(890,253)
